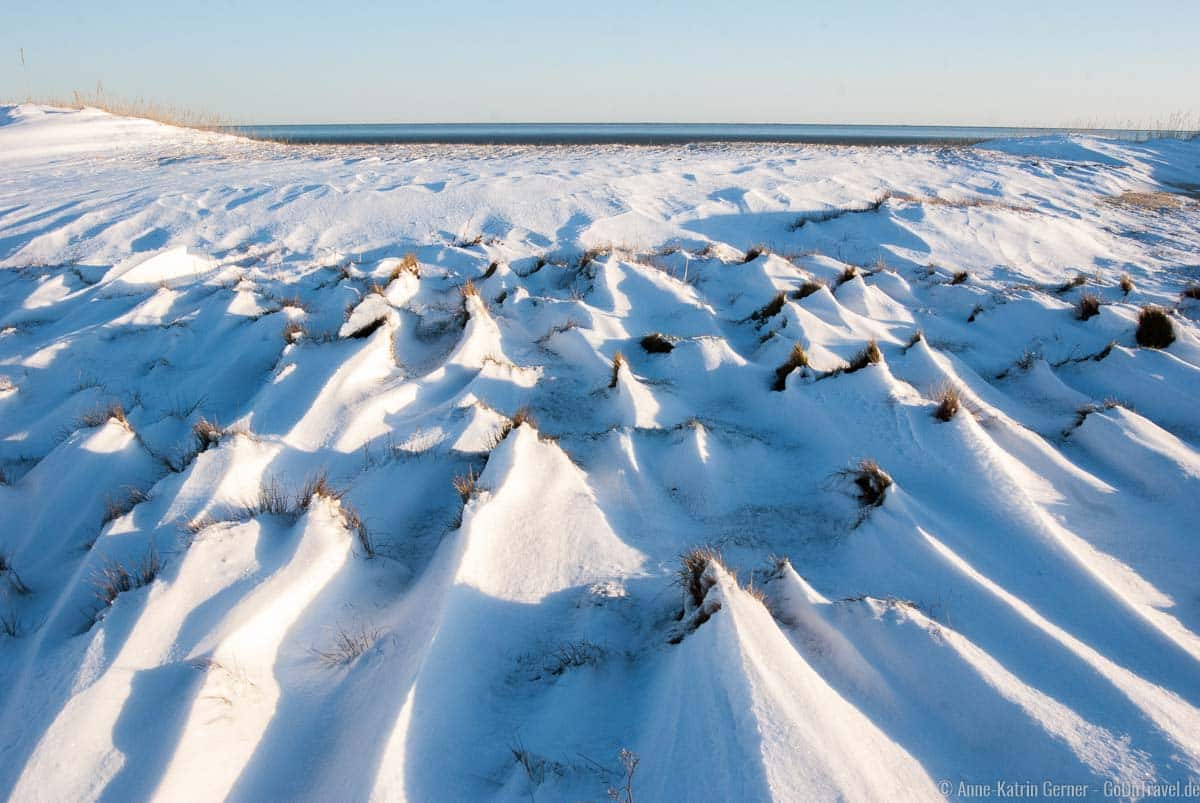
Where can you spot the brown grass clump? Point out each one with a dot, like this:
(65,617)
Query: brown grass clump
(870,355)
(770,309)
(807,289)
(873,483)
(595,252)
(949,402)
(1088,306)
(1149,201)
(115,578)
(959,277)
(657,343)
(139,107)
(466,484)
(848,274)
(317,487)
(1126,284)
(1083,412)
(1154,329)
(522,416)
(102,415)
(115,508)
(754,252)
(1192,291)
(408,264)
(356,525)
(293,331)
(271,500)
(797,358)
(1077,281)
(696,579)
(693,573)
(617,362)
(468,289)
(206,433)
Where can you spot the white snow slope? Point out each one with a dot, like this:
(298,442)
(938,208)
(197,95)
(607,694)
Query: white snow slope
(194,328)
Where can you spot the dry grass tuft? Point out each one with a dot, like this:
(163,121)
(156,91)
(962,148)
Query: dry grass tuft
(1079,280)
(207,433)
(1148,201)
(595,252)
(377,288)
(657,343)
(1088,306)
(408,264)
(293,331)
(139,107)
(959,277)
(1083,412)
(797,358)
(949,401)
(466,485)
(101,416)
(916,338)
(873,483)
(356,525)
(115,508)
(572,655)
(870,355)
(770,309)
(115,578)
(317,487)
(294,302)
(617,362)
(272,501)
(348,643)
(1126,284)
(807,289)
(754,252)
(523,416)
(693,573)
(848,273)
(468,289)
(1192,291)
(1154,329)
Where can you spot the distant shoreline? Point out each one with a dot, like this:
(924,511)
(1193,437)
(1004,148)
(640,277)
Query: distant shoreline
(651,134)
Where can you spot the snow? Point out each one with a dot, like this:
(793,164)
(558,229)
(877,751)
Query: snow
(487,603)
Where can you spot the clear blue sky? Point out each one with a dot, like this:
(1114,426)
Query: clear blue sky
(1002,62)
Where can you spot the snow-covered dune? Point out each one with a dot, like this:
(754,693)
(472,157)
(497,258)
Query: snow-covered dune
(450,473)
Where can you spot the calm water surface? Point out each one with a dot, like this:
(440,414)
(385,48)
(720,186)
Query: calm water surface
(638,133)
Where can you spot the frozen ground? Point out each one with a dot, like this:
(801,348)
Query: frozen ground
(194,329)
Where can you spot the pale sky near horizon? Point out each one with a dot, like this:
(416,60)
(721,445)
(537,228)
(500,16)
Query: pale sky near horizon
(1006,63)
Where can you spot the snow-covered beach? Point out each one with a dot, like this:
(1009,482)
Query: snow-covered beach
(365,472)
